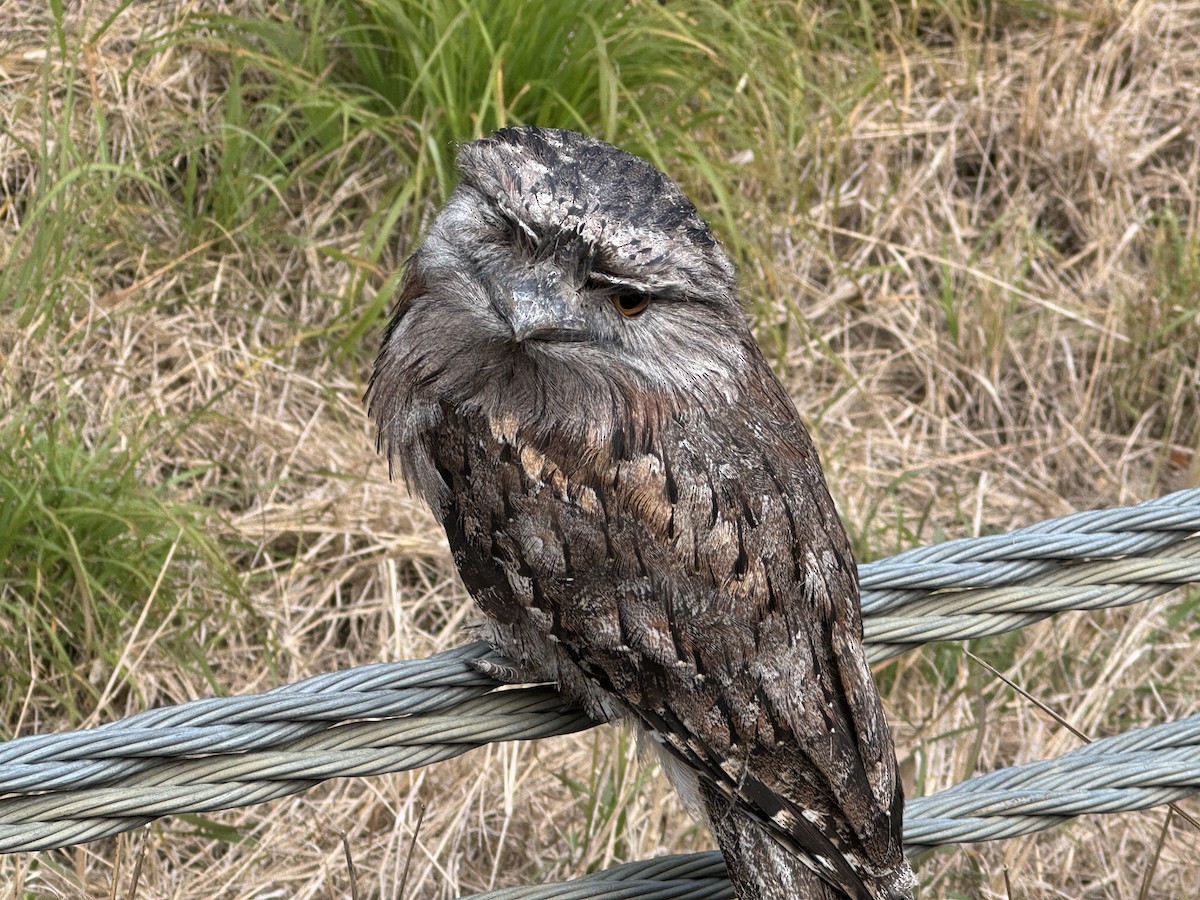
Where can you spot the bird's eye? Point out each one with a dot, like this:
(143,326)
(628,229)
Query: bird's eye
(630,304)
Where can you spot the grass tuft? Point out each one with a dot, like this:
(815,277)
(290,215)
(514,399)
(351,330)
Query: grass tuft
(96,562)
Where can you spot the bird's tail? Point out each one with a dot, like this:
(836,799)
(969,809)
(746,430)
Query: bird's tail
(761,868)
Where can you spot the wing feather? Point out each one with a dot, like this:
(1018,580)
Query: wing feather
(712,596)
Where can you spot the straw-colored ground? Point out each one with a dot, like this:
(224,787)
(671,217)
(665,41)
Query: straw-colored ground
(981,282)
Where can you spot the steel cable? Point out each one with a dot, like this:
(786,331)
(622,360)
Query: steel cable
(62,789)
(1131,771)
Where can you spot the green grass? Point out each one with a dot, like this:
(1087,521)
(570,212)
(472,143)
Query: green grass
(96,562)
(413,79)
(603,799)
(362,84)
(63,216)
(1162,323)
(100,552)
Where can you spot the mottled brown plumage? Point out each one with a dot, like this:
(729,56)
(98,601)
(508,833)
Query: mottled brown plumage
(635,505)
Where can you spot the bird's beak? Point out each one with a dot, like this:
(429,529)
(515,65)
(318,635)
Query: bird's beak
(541,308)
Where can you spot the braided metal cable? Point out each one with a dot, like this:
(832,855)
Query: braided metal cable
(1131,771)
(975,587)
(62,789)
(1139,769)
(684,876)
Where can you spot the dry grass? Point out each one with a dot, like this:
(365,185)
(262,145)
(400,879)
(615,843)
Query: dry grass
(981,281)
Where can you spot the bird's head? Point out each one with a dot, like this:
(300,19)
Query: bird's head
(564,280)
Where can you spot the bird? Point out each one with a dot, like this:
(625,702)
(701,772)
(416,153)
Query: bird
(569,380)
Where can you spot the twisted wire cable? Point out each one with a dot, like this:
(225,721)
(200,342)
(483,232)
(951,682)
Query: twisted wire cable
(684,876)
(975,587)
(62,789)
(1131,771)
